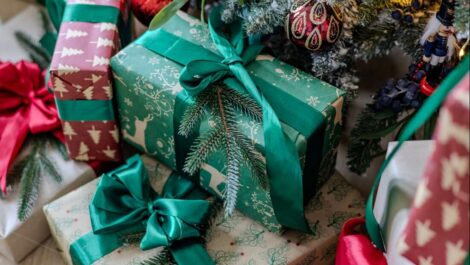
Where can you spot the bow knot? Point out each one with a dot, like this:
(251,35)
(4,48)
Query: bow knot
(233,59)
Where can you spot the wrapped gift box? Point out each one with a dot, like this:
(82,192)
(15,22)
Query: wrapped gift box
(146,90)
(230,241)
(81,78)
(18,239)
(396,191)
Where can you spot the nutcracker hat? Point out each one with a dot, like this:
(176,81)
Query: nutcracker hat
(446,12)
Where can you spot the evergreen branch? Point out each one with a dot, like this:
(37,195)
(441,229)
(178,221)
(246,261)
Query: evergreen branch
(200,150)
(37,53)
(233,154)
(363,150)
(49,166)
(29,186)
(244,103)
(194,113)
(252,157)
(233,173)
(163,258)
(54,143)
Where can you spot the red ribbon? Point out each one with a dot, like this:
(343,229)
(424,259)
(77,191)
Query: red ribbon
(355,248)
(25,107)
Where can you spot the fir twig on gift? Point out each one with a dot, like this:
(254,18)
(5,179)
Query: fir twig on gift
(31,168)
(224,105)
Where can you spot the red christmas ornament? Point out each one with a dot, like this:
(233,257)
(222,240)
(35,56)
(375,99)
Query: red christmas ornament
(314,24)
(145,10)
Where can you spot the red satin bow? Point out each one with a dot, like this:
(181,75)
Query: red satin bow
(355,248)
(25,107)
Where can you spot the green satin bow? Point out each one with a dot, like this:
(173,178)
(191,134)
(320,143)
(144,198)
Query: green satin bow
(125,203)
(282,160)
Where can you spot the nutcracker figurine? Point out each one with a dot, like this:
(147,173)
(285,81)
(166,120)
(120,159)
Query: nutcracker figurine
(439,44)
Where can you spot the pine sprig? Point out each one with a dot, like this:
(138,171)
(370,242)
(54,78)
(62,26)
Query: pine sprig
(163,258)
(203,146)
(29,186)
(366,136)
(225,106)
(37,53)
(244,103)
(30,169)
(194,114)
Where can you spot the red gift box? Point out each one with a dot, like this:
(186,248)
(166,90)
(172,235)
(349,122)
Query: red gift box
(82,79)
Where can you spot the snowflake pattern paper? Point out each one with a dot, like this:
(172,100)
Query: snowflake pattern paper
(80,72)
(438,229)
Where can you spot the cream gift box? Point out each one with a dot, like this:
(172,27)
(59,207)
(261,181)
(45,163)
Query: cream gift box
(233,240)
(18,239)
(396,192)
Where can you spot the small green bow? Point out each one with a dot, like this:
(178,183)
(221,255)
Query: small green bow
(124,202)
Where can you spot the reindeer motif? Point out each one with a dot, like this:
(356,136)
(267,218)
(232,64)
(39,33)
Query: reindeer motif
(139,135)
(216,178)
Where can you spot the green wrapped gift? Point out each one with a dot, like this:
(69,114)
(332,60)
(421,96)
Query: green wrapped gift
(150,98)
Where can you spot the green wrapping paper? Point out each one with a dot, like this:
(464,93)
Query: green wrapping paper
(147,86)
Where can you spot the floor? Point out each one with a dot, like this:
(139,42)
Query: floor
(48,253)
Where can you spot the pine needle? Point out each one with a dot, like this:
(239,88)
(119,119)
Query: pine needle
(29,187)
(163,258)
(194,113)
(37,53)
(244,103)
(200,150)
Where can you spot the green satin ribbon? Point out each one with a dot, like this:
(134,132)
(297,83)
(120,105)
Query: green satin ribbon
(85,110)
(91,13)
(282,161)
(430,106)
(125,203)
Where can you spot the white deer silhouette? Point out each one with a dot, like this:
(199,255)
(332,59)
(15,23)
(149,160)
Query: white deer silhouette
(216,178)
(139,135)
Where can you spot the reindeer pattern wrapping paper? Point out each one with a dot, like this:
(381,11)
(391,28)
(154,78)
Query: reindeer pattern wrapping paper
(147,86)
(80,76)
(236,240)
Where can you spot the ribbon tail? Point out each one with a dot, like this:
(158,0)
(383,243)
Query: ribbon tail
(11,140)
(190,252)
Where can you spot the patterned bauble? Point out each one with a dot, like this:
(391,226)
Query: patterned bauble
(314,24)
(145,10)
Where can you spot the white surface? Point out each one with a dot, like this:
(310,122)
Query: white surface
(406,167)
(29,22)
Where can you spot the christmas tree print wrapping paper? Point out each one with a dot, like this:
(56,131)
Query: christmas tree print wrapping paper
(18,239)
(81,77)
(147,86)
(438,228)
(236,240)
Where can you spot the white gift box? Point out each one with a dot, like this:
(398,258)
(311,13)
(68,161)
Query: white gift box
(18,239)
(237,240)
(396,192)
